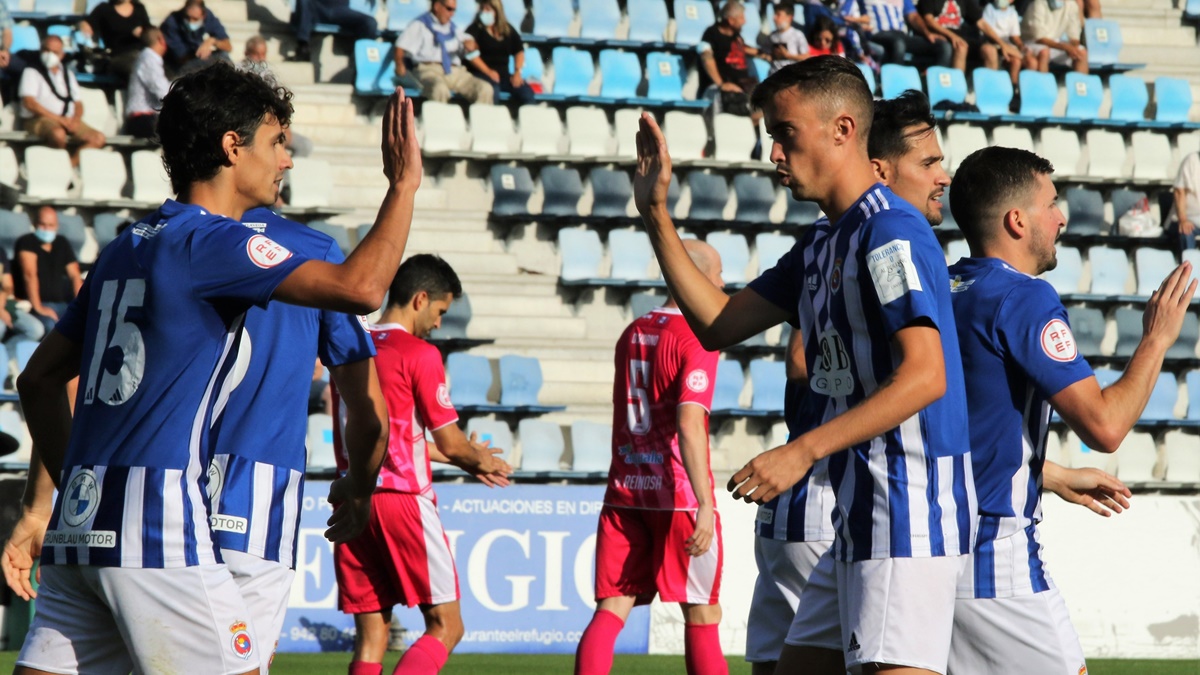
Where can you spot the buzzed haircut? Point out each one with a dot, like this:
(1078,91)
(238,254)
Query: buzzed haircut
(150,36)
(892,129)
(988,183)
(833,79)
(255,42)
(732,8)
(423,272)
(786,6)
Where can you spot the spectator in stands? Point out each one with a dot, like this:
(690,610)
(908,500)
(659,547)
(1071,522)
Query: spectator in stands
(50,105)
(1186,209)
(195,38)
(1053,30)
(957,22)
(1002,26)
(788,43)
(46,272)
(822,38)
(8,65)
(254,60)
(890,23)
(726,74)
(18,324)
(119,23)
(148,85)
(309,13)
(438,47)
(499,41)
(845,15)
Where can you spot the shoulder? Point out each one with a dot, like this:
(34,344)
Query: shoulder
(1029,293)
(26,242)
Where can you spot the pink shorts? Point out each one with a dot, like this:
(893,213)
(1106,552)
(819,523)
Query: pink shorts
(402,558)
(640,553)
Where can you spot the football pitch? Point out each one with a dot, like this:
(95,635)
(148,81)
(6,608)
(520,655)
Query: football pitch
(526,664)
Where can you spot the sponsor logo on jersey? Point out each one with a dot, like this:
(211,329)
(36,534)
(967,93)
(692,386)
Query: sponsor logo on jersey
(93,539)
(265,253)
(642,483)
(224,523)
(697,381)
(1058,342)
(443,396)
(853,646)
(766,515)
(82,496)
(814,281)
(643,339)
(216,479)
(957,285)
(631,457)
(893,271)
(835,278)
(241,643)
(257,227)
(1083,669)
(148,231)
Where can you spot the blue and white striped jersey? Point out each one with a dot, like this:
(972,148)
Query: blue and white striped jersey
(888,15)
(158,321)
(853,285)
(1017,351)
(256,479)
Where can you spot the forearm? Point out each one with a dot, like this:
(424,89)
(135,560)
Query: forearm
(693,450)
(1053,477)
(915,22)
(50,428)
(699,300)
(933,26)
(38,109)
(1181,204)
(373,263)
(225,44)
(32,289)
(398,57)
(710,67)
(1125,400)
(436,454)
(39,487)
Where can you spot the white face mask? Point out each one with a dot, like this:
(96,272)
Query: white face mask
(488,19)
(1002,4)
(51,60)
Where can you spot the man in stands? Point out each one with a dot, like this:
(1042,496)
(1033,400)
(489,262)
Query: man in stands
(129,547)
(50,105)
(148,84)
(45,272)
(438,47)
(727,75)
(659,530)
(1053,30)
(1021,360)
(195,38)
(890,24)
(404,556)
(308,13)
(254,60)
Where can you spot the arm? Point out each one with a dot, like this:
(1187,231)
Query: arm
(932,26)
(918,26)
(172,30)
(24,545)
(693,450)
(479,459)
(42,387)
(398,56)
(718,320)
(472,47)
(518,66)
(710,66)
(29,273)
(358,285)
(1185,225)
(365,439)
(1091,488)
(1102,417)
(75,277)
(919,379)
(218,37)
(223,44)
(39,110)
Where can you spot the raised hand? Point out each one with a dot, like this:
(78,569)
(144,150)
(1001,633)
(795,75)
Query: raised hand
(1163,317)
(401,152)
(652,180)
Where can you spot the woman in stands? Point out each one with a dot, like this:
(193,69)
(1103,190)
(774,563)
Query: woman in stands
(499,41)
(119,24)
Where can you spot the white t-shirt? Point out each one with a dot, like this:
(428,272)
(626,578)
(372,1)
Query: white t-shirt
(1006,22)
(418,43)
(793,41)
(34,85)
(1189,179)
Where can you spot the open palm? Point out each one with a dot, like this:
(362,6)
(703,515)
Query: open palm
(652,180)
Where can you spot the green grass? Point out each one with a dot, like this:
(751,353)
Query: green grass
(521,664)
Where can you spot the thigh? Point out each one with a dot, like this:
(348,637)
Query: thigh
(42,127)
(898,611)
(431,74)
(994,635)
(73,630)
(626,556)
(265,586)
(783,571)
(389,564)
(682,577)
(817,622)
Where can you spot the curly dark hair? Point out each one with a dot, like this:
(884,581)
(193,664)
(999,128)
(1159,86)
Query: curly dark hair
(201,107)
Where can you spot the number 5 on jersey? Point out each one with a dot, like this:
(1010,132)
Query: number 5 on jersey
(126,343)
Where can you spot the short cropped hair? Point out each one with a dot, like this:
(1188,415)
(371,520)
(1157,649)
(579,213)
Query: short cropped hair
(732,8)
(202,106)
(150,36)
(786,6)
(832,79)
(890,135)
(423,272)
(988,183)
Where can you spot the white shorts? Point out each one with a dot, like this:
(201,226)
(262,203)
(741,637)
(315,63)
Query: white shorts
(894,611)
(1057,56)
(783,571)
(265,586)
(100,620)
(991,635)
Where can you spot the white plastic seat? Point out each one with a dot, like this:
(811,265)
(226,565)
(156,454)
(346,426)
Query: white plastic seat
(445,129)
(1010,136)
(97,113)
(103,173)
(1106,154)
(1139,454)
(589,133)
(541,130)
(686,135)
(10,168)
(734,138)
(492,130)
(312,183)
(962,140)
(1183,457)
(150,181)
(1149,149)
(47,172)
(1061,147)
(1081,457)
(626,122)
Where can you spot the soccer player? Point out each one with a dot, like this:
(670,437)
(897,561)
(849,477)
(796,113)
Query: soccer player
(1021,360)
(129,556)
(659,530)
(871,295)
(256,478)
(404,555)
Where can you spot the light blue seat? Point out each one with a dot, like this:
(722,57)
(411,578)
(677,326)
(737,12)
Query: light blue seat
(54,7)
(1106,376)
(1189,334)
(494,432)
(552,18)
(735,255)
(692,18)
(1152,265)
(104,227)
(868,74)
(640,304)
(755,197)
(1104,42)
(620,75)
(665,75)
(771,248)
(728,388)
(1039,92)
(573,72)
(1192,9)
(801,213)
(374,68)
(25,37)
(13,225)
(1129,330)
(611,192)
(1129,98)
(1193,393)
(1161,406)
(896,79)
(66,34)
(945,84)
(521,382)
(73,229)
(400,13)
(515,11)
(631,255)
(710,193)
(542,445)
(753,26)
(581,256)
(1087,211)
(591,444)
(768,380)
(1172,100)
(648,21)
(22,350)
(470,379)
(1109,270)
(321,455)
(534,69)
(455,320)
(1087,325)
(761,68)
(1084,95)
(1067,275)
(993,91)
(563,188)
(598,19)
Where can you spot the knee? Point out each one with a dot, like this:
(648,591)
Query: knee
(437,91)
(446,627)
(57,138)
(484,92)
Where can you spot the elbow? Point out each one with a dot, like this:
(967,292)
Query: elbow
(709,342)
(1105,440)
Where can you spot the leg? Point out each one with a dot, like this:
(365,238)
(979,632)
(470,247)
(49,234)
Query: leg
(594,655)
(1014,69)
(784,568)
(814,640)
(702,640)
(810,660)
(434,83)
(990,56)
(1081,65)
(443,630)
(961,51)
(265,586)
(1043,61)
(472,88)
(370,638)
(894,46)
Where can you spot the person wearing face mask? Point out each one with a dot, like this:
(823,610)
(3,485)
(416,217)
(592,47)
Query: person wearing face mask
(499,42)
(436,48)
(1005,24)
(195,38)
(45,272)
(1053,30)
(50,105)
(119,24)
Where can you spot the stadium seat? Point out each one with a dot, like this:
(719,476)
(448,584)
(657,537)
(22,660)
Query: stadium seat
(1129,98)
(1183,457)
(1139,455)
(54,7)
(1129,330)
(768,382)
(625,123)
(1149,150)
(103,173)
(470,379)
(1152,266)
(962,140)
(1011,136)
(492,130)
(582,254)
(1079,456)
(104,227)
(25,37)
(374,66)
(801,213)
(755,198)
(552,18)
(620,76)
(1061,148)
(10,168)
(11,424)
(1085,93)
(1039,93)
(945,84)
(1193,392)
(563,188)
(1103,40)
(692,18)
(98,112)
(445,129)
(22,350)
(735,138)
(534,69)
(948,221)
(895,79)
(521,382)
(72,228)
(1172,100)
(1162,399)
(591,445)
(339,234)
(589,134)
(686,135)
(753,27)
(735,256)
(13,225)
(1106,154)
(1087,323)
(312,183)
(321,455)
(631,257)
(515,11)
(512,186)
(47,172)
(762,69)
(1086,210)
(494,432)
(1185,345)
(770,248)
(599,19)
(648,21)
(710,194)
(573,72)
(957,249)
(455,320)
(641,303)
(541,131)
(1110,269)
(727,392)
(542,445)
(993,91)
(400,13)
(611,192)
(150,182)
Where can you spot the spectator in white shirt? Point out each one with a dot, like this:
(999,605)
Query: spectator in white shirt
(788,44)
(1005,24)
(1053,29)
(438,47)
(50,105)
(148,85)
(1186,209)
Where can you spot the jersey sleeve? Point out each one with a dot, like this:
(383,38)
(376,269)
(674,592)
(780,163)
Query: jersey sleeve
(697,373)
(780,285)
(74,320)
(430,393)
(342,338)
(231,261)
(906,267)
(1032,326)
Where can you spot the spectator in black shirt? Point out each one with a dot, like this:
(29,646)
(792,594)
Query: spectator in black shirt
(498,41)
(45,271)
(959,22)
(119,23)
(726,74)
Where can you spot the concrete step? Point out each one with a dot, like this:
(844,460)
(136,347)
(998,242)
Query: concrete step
(492,263)
(342,135)
(523,284)
(483,304)
(1157,36)
(526,327)
(426,239)
(319,114)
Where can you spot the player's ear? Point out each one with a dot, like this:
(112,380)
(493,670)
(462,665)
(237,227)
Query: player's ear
(231,146)
(420,300)
(882,170)
(1015,224)
(844,128)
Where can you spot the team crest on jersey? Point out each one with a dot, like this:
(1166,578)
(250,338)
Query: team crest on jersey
(835,278)
(215,479)
(957,285)
(697,381)
(893,271)
(265,253)
(1058,342)
(82,496)
(242,645)
(1083,669)
(443,396)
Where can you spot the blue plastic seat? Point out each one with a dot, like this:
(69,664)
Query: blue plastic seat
(768,380)
(496,433)
(631,255)
(1109,270)
(470,379)
(73,229)
(735,255)
(1084,95)
(1039,93)
(591,444)
(573,72)
(1193,392)
(1129,98)
(1192,9)
(1172,100)
(1151,266)
(598,19)
(945,84)
(1129,330)
(1161,406)
(512,186)
(753,26)
(455,320)
(761,68)
(104,227)
(1066,276)
(563,188)
(339,234)
(581,256)
(542,445)
(54,7)
(1087,211)
(665,75)
(755,197)
(692,18)
(868,74)
(611,191)
(1105,377)
(514,10)
(620,74)
(533,70)
(552,18)
(374,67)
(728,388)
(1104,42)
(710,193)
(771,248)
(1087,325)
(520,382)
(993,91)
(896,79)
(319,439)
(25,37)
(801,213)
(648,21)
(1189,335)
(22,351)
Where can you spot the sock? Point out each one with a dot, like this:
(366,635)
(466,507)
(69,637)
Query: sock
(595,653)
(425,657)
(364,668)
(702,650)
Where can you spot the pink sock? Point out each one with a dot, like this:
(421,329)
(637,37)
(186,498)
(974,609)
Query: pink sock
(425,657)
(595,653)
(364,668)
(702,650)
